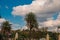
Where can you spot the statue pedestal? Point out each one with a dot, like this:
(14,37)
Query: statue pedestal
(16,36)
(59,37)
(47,37)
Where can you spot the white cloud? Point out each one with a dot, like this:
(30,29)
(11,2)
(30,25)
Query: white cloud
(52,23)
(18,26)
(2,20)
(22,10)
(15,26)
(42,7)
(24,28)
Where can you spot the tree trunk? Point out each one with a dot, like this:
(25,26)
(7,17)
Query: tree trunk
(30,34)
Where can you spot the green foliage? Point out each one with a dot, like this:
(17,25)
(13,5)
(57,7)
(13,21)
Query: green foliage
(31,20)
(13,34)
(53,36)
(6,26)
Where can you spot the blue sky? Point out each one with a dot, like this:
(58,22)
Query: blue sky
(43,13)
(6,9)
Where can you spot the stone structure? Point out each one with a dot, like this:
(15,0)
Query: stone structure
(59,36)
(47,36)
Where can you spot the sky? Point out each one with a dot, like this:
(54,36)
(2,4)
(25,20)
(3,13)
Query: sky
(46,11)
(6,7)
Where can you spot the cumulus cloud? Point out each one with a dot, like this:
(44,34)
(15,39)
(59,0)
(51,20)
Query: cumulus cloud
(22,10)
(52,23)
(41,7)
(15,26)
(24,28)
(44,10)
(2,20)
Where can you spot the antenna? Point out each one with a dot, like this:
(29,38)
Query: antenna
(0,14)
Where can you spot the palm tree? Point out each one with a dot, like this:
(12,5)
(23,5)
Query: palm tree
(6,28)
(31,21)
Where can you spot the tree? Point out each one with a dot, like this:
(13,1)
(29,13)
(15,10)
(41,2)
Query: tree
(31,21)
(6,28)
